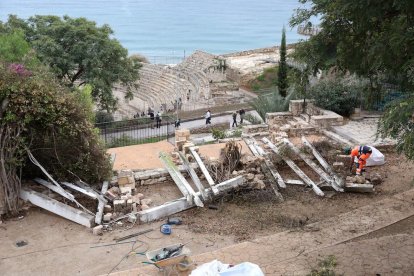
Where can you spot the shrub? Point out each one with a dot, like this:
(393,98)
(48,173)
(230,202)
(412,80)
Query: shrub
(218,133)
(256,87)
(272,102)
(252,119)
(103,117)
(261,77)
(336,96)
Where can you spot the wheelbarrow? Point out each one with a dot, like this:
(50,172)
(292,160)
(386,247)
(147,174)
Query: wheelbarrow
(170,258)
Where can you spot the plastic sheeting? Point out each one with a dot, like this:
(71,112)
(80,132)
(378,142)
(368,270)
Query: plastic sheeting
(376,158)
(217,268)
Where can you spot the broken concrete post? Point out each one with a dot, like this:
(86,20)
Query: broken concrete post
(267,167)
(294,182)
(57,207)
(193,175)
(359,188)
(204,170)
(295,168)
(314,166)
(181,204)
(179,180)
(97,230)
(101,204)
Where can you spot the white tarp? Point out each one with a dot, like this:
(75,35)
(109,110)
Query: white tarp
(376,158)
(217,268)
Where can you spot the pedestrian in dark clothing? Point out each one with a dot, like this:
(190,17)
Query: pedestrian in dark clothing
(241,112)
(158,119)
(234,119)
(178,123)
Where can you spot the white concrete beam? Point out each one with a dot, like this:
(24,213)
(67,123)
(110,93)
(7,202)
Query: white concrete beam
(57,207)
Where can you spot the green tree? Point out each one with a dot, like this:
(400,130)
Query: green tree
(282,82)
(14,48)
(80,52)
(372,39)
(38,114)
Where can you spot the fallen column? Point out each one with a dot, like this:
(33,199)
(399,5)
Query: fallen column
(295,168)
(193,175)
(267,167)
(57,207)
(101,204)
(204,170)
(359,188)
(181,204)
(314,166)
(324,164)
(180,181)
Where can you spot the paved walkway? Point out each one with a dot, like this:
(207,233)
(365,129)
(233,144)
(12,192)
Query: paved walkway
(362,132)
(297,252)
(154,132)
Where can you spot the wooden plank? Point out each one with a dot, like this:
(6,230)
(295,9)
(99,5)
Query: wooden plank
(101,204)
(193,175)
(180,180)
(204,170)
(295,168)
(359,188)
(313,165)
(337,181)
(57,207)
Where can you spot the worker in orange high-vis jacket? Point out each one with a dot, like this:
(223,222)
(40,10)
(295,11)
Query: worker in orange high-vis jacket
(362,153)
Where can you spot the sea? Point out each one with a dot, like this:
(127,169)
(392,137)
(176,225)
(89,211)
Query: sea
(167,30)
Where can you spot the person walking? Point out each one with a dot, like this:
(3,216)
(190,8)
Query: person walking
(242,112)
(158,119)
(234,119)
(177,123)
(208,117)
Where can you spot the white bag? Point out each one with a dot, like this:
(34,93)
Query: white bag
(376,158)
(217,268)
(209,269)
(243,269)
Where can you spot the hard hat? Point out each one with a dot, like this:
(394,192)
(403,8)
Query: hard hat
(347,150)
(366,149)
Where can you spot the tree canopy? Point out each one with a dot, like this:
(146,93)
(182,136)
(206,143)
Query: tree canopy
(79,52)
(282,82)
(373,39)
(363,37)
(38,114)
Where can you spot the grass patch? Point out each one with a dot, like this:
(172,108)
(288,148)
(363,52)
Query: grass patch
(325,267)
(126,140)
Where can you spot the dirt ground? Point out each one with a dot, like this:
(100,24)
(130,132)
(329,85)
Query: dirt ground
(58,246)
(140,156)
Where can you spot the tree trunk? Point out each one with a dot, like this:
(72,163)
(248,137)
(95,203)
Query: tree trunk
(9,181)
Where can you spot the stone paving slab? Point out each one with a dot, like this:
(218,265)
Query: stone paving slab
(362,132)
(281,253)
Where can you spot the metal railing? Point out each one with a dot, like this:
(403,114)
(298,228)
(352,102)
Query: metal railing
(136,131)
